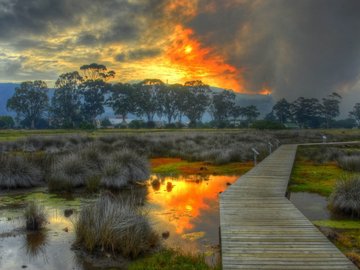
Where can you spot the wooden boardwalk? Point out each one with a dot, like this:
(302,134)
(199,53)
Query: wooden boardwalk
(261,229)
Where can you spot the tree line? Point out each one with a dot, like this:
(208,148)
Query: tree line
(311,112)
(80,97)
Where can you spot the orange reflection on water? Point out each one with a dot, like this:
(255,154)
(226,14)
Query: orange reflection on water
(187,198)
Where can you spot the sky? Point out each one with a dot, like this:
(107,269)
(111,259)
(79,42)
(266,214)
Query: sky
(288,48)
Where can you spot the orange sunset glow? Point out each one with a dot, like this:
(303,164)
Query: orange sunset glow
(188,199)
(196,62)
(165,48)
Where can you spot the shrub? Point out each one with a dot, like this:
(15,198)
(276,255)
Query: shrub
(17,172)
(42,160)
(116,226)
(68,172)
(90,156)
(137,124)
(114,175)
(126,167)
(105,122)
(6,122)
(350,163)
(346,196)
(35,216)
(320,154)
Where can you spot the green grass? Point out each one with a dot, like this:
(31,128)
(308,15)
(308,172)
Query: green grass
(338,224)
(14,134)
(169,259)
(176,166)
(317,178)
(171,168)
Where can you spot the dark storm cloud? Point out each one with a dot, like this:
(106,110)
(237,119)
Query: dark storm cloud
(136,55)
(117,20)
(36,16)
(303,47)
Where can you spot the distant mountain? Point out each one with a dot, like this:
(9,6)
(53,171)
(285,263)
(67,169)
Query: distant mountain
(264,103)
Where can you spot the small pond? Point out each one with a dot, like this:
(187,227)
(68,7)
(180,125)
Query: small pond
(183,209)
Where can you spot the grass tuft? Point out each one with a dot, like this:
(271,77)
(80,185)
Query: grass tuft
(114,225)
(17,172)
(350,163)
(35,216)
(346,196)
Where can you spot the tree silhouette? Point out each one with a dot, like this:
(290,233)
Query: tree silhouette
(146,98)
(30,101)
(355,113)
(330,107)
(282,110)
(122,99)
(222,105)
(197,100)
(66,102)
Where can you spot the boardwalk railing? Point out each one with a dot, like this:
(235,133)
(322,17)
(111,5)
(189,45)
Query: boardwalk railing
(261,229)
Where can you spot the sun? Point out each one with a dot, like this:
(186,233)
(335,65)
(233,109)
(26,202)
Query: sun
(188,49)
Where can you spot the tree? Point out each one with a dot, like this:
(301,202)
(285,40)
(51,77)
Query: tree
(93,99)
(168,100)
(236,112)
(6,122)
(30,101)
(66,102)
(355,114)
(146,97)
(96,71)
(306,111)
(122,100)
(221,105)
(181,101)
(93,90)
(330,107)
(197,100)
(250,113)
(282,110)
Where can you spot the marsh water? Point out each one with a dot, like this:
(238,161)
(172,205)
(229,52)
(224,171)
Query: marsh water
(312,205)
(183,210)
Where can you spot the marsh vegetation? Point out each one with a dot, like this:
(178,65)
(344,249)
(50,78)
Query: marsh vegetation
(180,196)
(117,161)
(331,172)
(115,225)
(35,216)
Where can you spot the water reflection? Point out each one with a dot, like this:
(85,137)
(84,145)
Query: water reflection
(184,211)
(184,204)
(312,205)
(35,243)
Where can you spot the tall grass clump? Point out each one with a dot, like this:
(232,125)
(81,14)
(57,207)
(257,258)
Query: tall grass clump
(68,172)
(35,216)
(114,225)
(17,172)
(346,196)
(124,167)
(350,163)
